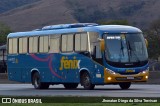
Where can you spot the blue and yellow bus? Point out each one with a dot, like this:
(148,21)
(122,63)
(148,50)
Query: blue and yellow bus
(82,53)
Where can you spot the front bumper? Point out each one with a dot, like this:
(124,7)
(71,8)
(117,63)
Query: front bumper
(110,78)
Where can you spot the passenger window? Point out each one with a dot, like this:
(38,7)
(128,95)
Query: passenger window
(77,42)
(54,43)
(33,44)
(81,42)
(10,46)
(14,46)
(84,42)
(93,41)
(64,43)
(43,44)
(23,45)
(67,43)
(70,43)
(95,47)
(13,43)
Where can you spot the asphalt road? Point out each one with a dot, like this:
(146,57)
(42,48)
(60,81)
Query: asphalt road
(58,90)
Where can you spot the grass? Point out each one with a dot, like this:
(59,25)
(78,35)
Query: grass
(81,101)
(86,104)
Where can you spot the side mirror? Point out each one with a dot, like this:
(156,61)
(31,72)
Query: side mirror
(146,41)
(102,44)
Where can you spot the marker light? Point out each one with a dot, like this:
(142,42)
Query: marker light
(109,78)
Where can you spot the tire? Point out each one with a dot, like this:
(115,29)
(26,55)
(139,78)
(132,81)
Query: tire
(2,69)
(37,82)
(125,85)
(86,81)
(71,85)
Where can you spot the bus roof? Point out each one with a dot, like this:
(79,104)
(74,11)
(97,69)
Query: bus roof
(55,29)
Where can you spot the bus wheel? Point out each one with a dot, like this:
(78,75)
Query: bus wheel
(86,81)
(125,85)
(71,85)
(37,82)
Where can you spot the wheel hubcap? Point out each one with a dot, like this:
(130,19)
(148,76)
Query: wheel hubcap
(36,82)
(86,81)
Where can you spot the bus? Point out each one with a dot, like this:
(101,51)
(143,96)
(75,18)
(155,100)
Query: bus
(81,53)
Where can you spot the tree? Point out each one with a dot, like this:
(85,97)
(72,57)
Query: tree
(4,31)
(153,37)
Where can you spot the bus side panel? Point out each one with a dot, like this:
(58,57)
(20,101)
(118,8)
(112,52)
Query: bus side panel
(64,68)
(14,71)
(98,75)
(38,63)
(74,63)
(23,64)
(15,74)
(54,68)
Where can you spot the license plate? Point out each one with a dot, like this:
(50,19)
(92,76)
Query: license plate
(130,77)
(130,71)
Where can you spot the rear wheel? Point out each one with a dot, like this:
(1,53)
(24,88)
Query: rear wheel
(71,85)
(37,82)
(86,81)
(125,85)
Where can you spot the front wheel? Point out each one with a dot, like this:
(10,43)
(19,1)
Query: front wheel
(86,81)
(71,85)
(37,82)
(125,85)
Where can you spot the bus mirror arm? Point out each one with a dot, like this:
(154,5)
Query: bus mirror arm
(102,44)
(146,41)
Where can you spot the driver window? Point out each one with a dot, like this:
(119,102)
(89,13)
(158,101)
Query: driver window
(95,47)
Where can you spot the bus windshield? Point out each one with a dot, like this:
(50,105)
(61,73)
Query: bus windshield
(125,48)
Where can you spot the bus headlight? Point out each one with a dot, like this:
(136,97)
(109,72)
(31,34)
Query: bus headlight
(112,72)
(145,71)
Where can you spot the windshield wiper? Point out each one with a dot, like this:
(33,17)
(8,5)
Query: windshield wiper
(121,50)
(132,51)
